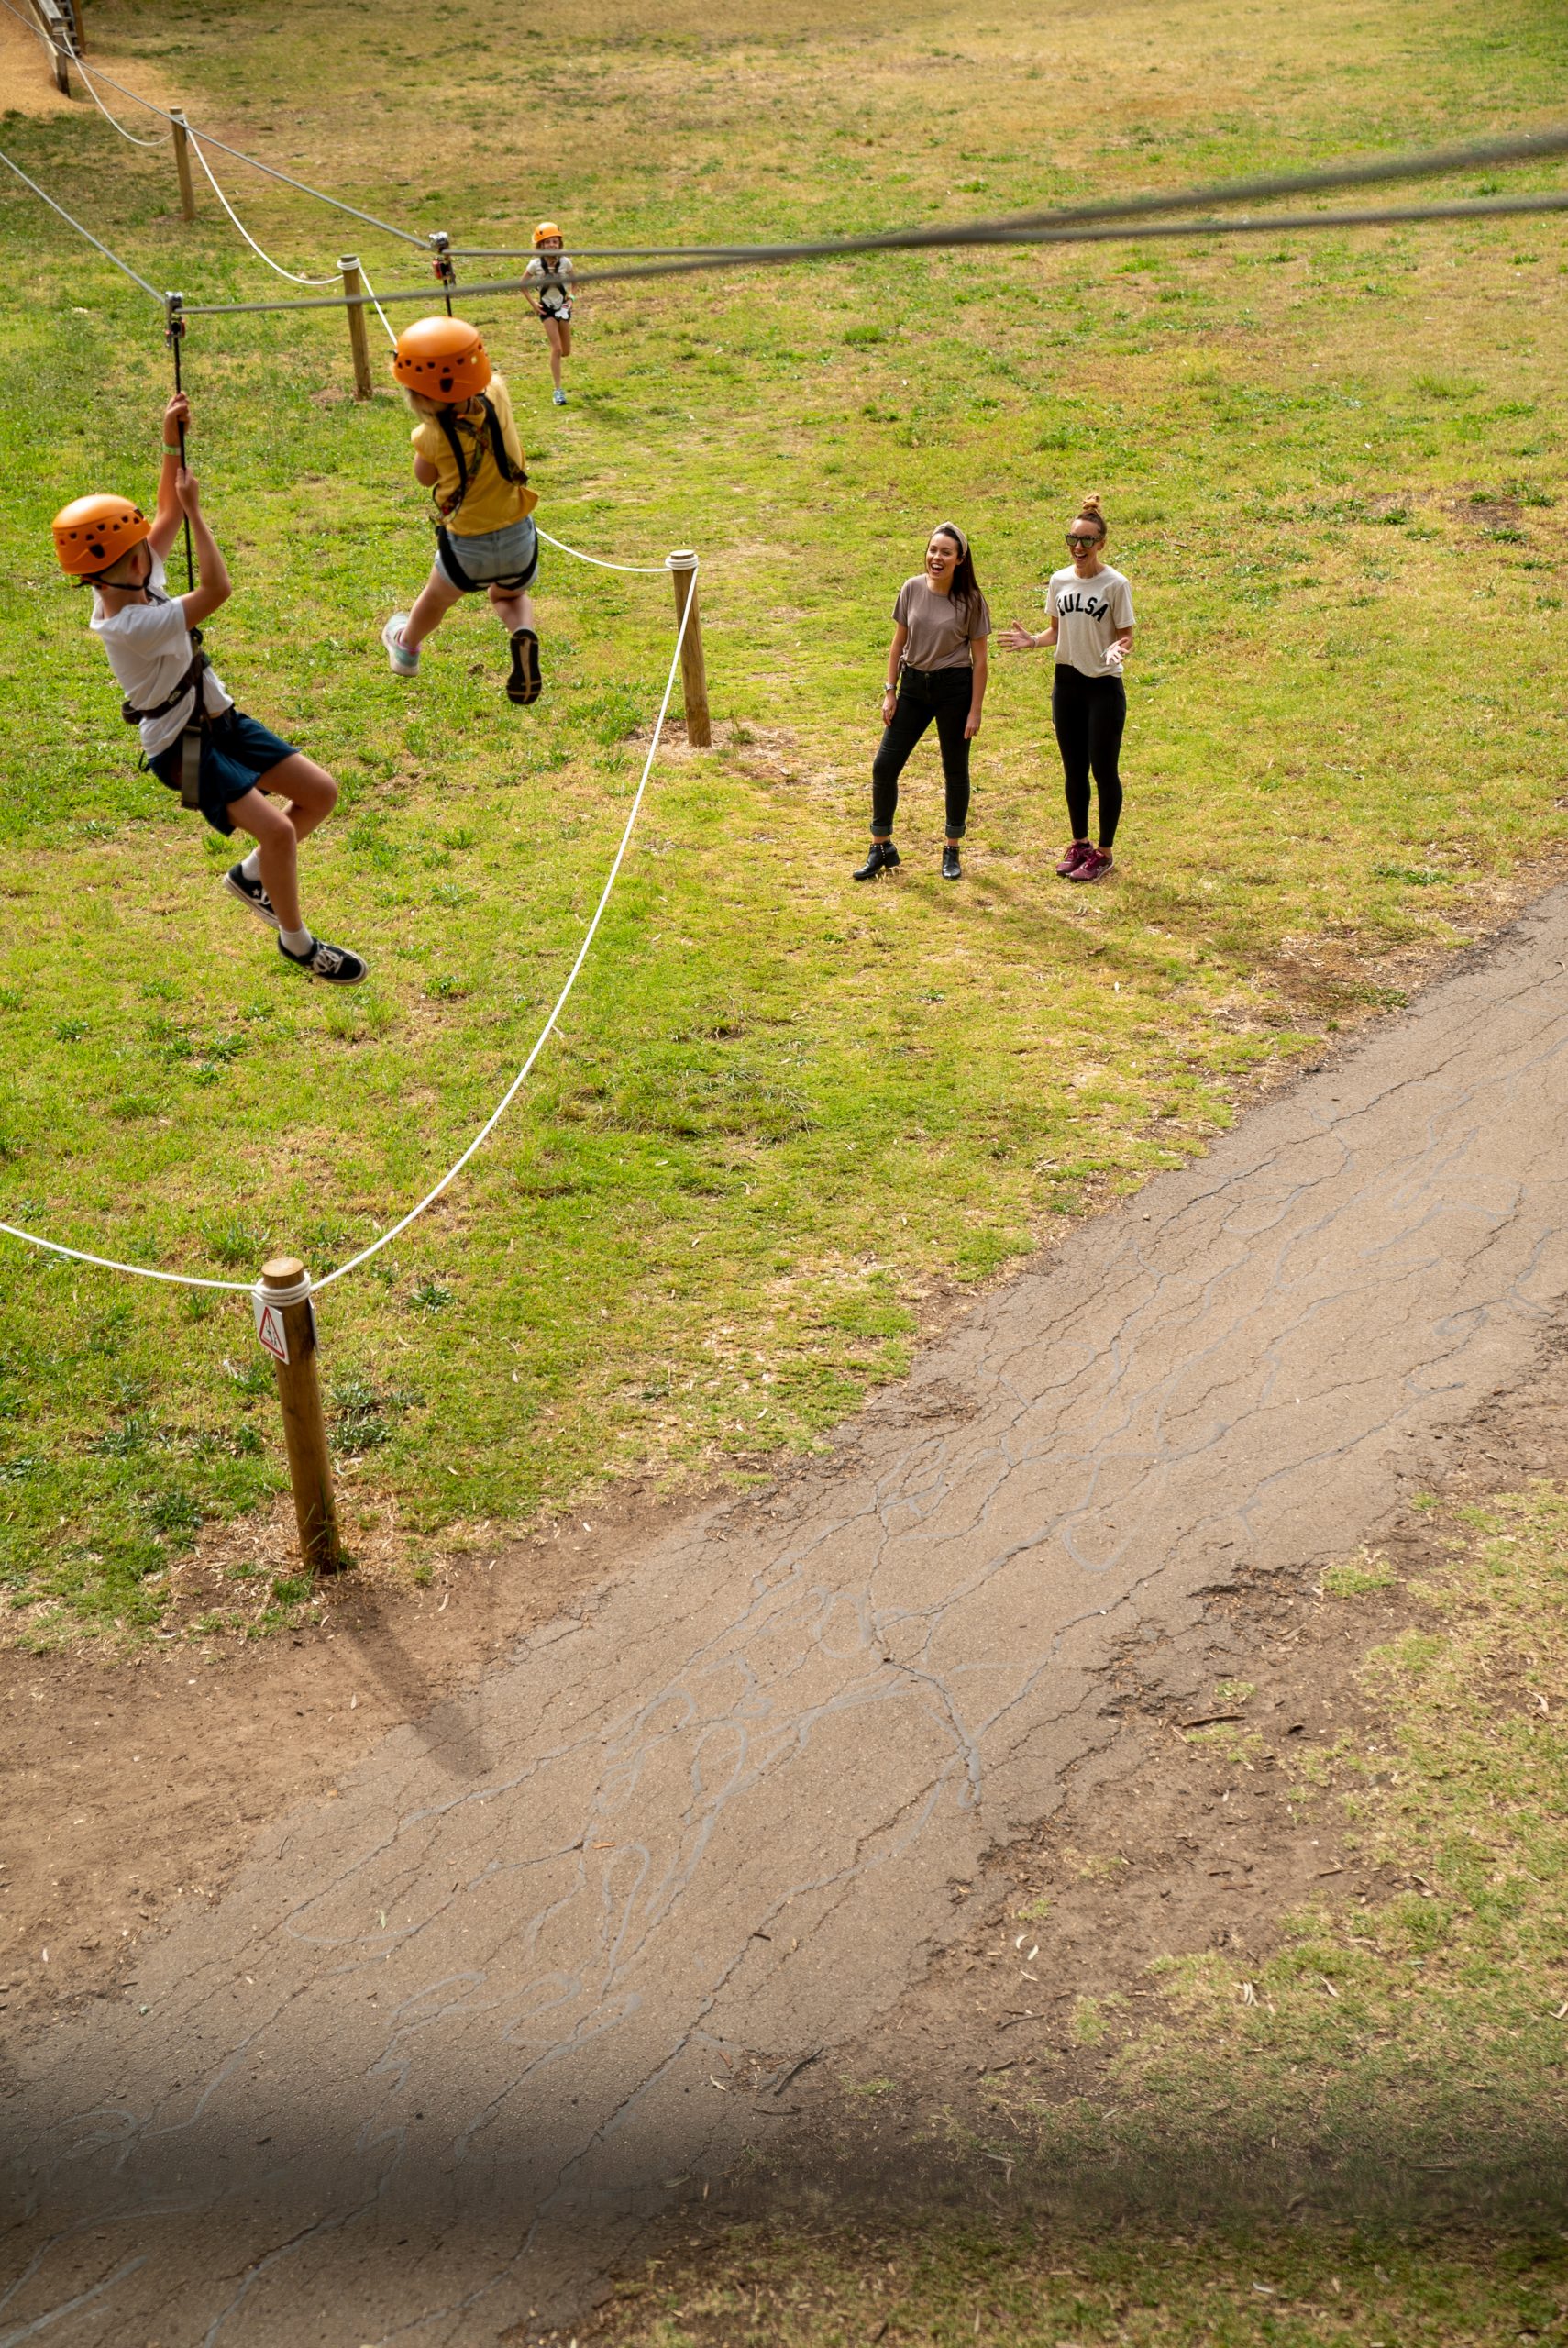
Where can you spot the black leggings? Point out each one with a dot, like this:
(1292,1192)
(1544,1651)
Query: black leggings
(943,694)
(1088,714)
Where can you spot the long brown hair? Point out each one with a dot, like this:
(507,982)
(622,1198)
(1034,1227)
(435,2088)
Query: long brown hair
(966,586)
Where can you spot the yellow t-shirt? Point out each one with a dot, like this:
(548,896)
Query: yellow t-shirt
(491,501)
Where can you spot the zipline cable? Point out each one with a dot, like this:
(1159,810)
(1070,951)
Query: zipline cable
(293,276)
(1425,164)
(507,1098)
(92,239)
(772,257)
(243,1288)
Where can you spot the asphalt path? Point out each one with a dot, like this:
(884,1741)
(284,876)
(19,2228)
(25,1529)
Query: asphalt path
(455,2034)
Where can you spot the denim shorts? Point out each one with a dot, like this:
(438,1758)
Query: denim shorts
(236,752)
(472,564)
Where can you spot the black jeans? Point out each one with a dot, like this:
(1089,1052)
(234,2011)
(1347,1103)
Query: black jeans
(943,694)
(1089,714)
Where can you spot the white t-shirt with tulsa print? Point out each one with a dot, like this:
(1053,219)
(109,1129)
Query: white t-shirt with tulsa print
(1089,615)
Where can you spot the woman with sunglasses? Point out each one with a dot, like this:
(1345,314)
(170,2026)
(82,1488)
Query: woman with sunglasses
(936,671)
(1089,610)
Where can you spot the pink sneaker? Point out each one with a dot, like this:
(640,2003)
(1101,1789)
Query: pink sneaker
(1074,856)
(1092,867)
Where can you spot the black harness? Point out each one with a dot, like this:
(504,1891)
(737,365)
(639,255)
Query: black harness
(192,741)
(491,434)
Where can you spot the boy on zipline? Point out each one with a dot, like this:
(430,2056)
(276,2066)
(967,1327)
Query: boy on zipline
(228,766)
(465,450)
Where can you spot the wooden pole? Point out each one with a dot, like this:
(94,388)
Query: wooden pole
(182,165)
(682,568)
(354,284)
(78,10)
(285,1321)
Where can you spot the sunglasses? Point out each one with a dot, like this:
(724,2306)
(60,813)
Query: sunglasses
(1082,539)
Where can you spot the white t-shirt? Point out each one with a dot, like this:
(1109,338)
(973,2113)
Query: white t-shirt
(553,284)
(1089,615)
(148,646)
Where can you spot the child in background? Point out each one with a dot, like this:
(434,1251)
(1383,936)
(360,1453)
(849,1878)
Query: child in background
(192,737)
(466,450)
(550,275)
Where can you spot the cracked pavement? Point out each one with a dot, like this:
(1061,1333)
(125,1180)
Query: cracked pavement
(545,1961)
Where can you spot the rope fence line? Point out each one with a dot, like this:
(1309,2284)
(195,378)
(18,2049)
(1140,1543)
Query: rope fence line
(510,1094)
(247,1288)
(292,275)
(134,275)
(365,279)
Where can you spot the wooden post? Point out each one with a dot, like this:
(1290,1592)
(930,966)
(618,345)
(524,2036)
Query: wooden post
(683,567)
(354,284)
(78,11)
(182,165)
(285,1321)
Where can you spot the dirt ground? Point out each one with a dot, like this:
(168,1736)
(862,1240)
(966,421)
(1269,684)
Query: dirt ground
(136,1783)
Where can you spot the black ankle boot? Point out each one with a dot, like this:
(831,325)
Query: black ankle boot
(883,857)
(951,868)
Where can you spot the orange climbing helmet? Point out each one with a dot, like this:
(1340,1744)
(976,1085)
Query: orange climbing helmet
(442,358)
(92,533)
(547,229)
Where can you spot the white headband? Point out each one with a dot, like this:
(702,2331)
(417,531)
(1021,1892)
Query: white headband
(951,530)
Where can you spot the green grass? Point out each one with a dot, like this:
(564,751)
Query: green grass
(784,1115)
(1398,2063)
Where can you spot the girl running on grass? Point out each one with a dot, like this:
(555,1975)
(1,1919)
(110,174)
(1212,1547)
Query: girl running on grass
(467,450)
(936,671)
(549,275)
(1090,608)
(192,737)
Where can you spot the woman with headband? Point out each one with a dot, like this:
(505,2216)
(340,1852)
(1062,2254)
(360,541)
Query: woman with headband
(936,671)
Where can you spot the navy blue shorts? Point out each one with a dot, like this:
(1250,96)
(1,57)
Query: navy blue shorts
(237,750)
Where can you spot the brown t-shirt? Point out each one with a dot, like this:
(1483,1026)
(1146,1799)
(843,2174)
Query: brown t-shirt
(942,628)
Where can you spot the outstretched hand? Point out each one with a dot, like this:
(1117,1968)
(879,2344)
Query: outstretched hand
(1017,638)
(187,489)
(176,418)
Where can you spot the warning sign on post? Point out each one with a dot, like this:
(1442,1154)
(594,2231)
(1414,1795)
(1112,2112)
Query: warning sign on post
(270,1328)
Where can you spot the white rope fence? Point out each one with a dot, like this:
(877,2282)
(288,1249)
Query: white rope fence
(245,1288)
(365,281)
(293,276)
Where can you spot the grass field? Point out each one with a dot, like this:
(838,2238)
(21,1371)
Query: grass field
(785,1115)
(1294,2151)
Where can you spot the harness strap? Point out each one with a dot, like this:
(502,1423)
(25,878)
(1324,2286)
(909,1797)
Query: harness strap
(193,736)
(491,433)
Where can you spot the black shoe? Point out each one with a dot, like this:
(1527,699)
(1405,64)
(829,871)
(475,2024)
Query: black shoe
(951,868)
(525,683)
(250,893)
(882,859)
(333,963)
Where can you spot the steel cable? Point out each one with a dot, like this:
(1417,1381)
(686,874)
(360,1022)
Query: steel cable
(92,239)
(772,257)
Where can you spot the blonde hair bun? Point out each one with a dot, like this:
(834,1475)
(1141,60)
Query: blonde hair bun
(1091,505)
